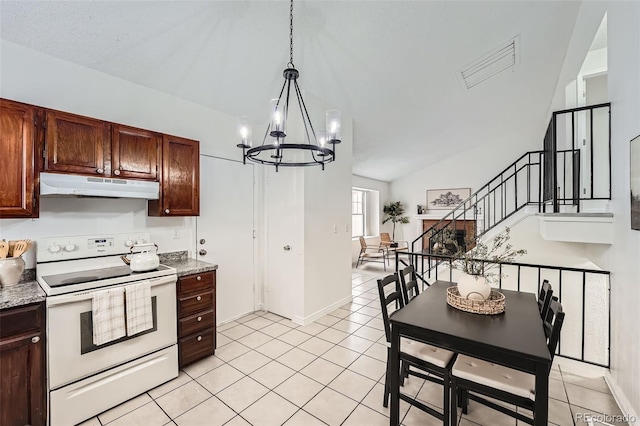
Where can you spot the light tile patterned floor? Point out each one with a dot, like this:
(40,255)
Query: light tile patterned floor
(268,371)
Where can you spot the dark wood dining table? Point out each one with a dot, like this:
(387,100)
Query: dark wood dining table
(514,338)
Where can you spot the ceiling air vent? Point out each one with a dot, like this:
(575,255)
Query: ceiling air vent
(490,64)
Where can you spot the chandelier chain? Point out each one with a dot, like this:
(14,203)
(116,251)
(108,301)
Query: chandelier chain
(291,35)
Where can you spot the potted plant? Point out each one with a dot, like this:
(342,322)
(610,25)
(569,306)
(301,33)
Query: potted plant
(394,212)
(478,265)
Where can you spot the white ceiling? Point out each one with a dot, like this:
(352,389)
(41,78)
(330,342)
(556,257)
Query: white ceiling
(390,64)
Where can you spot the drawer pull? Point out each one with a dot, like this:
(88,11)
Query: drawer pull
(199,298)
(199,278)
(199,319)
(35,339)
(199,338)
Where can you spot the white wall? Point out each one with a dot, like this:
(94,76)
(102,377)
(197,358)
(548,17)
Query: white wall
(327,226)
(622,257)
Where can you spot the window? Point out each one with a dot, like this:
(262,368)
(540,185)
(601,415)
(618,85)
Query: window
(358,209)
(365,212)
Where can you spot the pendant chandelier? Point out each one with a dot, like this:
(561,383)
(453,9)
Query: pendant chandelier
(317,147)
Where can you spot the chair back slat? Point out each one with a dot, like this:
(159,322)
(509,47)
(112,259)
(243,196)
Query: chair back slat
(390,292)
(385,237)
(544,298)
(409,283)
(553,323)
(363,244)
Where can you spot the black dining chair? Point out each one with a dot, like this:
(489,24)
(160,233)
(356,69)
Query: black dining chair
(472,377)
(429,359)
(409,283)
(544,299)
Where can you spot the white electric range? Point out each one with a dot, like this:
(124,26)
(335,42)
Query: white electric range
(85,379)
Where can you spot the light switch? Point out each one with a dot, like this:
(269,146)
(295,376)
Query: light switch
(335,229)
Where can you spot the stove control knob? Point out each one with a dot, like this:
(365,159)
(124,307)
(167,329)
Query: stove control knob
(128,243)
(54,248)
(70,247)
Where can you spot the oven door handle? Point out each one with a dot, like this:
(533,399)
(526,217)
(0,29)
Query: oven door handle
(88,294)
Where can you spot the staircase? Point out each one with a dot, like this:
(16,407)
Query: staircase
(551,180)
(559,184)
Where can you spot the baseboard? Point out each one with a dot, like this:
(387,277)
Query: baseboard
(236,317)
(322,312)
(260,307)
(625,406)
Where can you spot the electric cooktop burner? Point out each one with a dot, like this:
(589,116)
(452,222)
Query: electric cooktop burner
(95,275)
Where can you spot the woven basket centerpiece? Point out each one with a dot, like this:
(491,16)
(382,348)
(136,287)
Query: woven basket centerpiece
(491,306)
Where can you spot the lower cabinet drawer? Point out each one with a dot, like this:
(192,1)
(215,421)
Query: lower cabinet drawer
(196,346)
(193,304)
(194,323)
(20,320)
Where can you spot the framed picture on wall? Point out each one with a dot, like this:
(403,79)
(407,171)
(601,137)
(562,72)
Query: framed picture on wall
(446,199)
(635,183)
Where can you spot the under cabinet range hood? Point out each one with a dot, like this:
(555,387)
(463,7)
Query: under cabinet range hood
(89,186)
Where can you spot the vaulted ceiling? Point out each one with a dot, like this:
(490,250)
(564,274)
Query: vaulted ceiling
(392,65)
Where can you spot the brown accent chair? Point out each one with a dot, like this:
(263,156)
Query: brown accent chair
(391,246)
(372,254)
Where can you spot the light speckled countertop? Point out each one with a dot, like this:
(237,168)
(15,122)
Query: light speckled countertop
(190,266)
(21,294)
(185,266)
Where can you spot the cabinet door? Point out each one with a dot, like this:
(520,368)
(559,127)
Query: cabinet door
(134,153)
(22,363)
(18,162)
(76,144)
(22,381)
(180,187)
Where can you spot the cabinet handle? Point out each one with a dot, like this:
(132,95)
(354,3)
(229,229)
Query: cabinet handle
(198,278)
(35,339)
(199,298)
(199,319)
(167,211)
(199,338)
(116,172)
(99,171)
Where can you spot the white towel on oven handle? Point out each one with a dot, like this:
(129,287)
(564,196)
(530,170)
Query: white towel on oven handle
(107,311)
(138,302)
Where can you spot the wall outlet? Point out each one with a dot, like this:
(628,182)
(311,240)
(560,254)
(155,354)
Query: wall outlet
(176,234)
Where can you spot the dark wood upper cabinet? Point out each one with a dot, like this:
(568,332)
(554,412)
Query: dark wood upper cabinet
(20,145)
(135,153)
(35,139)
(76,144)
(180,181)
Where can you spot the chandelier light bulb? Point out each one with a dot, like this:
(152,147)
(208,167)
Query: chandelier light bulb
(322,138)
(244,132)
(333,126)
(277,119)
